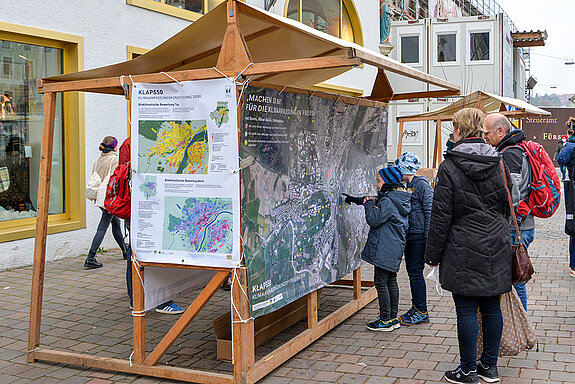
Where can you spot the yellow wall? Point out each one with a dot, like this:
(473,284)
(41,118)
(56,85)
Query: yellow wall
(74,216)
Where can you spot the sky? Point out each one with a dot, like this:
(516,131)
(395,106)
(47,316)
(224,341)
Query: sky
(558,18)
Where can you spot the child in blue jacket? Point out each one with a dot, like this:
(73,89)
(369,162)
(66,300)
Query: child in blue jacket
(419,217)
(388,218)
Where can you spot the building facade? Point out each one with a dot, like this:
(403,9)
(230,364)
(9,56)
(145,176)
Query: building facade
(53,37)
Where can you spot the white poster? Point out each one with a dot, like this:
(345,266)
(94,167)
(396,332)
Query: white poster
(185,182)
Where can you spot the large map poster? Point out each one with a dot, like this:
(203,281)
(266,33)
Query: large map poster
(185,183)
(299,154)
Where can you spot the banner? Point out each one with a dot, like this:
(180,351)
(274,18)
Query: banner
(299,154)
(185,181)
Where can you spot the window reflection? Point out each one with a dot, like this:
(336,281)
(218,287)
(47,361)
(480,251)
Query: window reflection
(446,47)
(329,16)
(479,46)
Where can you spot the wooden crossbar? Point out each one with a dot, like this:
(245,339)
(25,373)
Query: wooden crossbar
(187,317)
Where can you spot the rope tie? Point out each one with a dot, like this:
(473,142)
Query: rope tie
(179,82)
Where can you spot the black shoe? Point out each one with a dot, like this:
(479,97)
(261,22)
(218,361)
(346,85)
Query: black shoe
(459,377)
(487,374)
(92,263)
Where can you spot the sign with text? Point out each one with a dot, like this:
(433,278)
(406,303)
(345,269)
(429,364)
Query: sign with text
(547,130)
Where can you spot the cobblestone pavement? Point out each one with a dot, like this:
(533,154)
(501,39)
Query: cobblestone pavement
(87,311)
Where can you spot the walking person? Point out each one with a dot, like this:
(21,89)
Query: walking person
(567,158)
(419,217)
(387,215)
(469,240)
(502,135)
(104,167)
(560,145)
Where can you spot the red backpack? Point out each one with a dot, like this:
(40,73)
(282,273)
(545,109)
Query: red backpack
(545,193)
(118,200)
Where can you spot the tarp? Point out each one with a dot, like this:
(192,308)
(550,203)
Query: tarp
(489,102)
(269,38)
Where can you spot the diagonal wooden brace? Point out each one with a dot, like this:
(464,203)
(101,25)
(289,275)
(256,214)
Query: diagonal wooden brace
(187,317)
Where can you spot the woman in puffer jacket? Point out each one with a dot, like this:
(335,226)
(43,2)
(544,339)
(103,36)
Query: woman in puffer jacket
(469,240)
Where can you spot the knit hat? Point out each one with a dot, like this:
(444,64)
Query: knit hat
(391,175)
(408,163)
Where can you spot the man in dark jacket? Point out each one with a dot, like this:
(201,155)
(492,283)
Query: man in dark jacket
(501,135)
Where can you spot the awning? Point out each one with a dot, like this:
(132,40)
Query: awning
(487,102)
(278,52)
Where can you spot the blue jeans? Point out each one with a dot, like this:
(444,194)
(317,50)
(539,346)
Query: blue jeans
(468,329)
(414,263)
(563,170)
(527,237)
(572,252)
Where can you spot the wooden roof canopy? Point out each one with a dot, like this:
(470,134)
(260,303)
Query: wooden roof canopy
(529,39)
(272,50)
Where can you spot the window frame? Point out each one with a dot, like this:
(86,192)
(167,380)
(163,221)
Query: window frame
(167,9)
(479,29)
(446,30)
(74,216)
(417,34)
(351,11)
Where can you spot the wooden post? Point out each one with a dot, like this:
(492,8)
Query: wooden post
(242,330)
(139,319)
(400,139)
(312,305)
(437,144)
(357,283)
(234,54)
(41,224)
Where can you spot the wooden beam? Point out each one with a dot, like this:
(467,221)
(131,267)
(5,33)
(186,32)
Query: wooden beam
(400,138)
(234,55)
(119,365)
(274,359)
(526,35)
(198,267)
(515,114)
(387,64)
(533,43)
(138,317)
(417,95)
(186,318)
(437,144)
(350,282)
(312,305)
(202,74)
(242,327)
(37,292)
(357,284)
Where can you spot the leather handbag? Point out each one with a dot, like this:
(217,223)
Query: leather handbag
(522,267)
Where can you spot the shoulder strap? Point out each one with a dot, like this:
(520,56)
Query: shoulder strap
(511,208)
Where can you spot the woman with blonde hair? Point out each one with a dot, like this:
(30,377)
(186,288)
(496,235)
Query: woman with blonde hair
(104,167)
(469,240)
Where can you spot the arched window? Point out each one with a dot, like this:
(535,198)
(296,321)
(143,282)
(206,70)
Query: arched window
(336,17)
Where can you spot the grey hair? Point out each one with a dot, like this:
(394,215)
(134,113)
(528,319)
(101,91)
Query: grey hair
(502,121)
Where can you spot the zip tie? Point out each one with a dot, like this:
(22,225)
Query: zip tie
(139,313)
(337,98)
(132,80)
(130,358)
(32,350)
(311,95)
(179,82)
(283,89)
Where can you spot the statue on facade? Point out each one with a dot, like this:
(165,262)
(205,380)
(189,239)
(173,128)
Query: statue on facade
(385,46)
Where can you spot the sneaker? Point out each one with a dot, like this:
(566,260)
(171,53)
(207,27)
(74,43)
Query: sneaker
(459,377)
(380,325)
(395,323)
(487,374)
(572,274)
(414,317)
(171,309)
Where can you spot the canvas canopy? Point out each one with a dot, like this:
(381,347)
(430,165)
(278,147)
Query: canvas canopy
(487,102)
(307,56)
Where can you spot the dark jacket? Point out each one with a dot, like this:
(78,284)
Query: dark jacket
(566,157)
(388,220)
(560,145)
(421,202)
(516,160)
(468,235)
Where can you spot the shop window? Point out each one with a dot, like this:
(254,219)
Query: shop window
(185,9)
(446,47)
(410,49)
(479,46)
(25,59)
(335,17)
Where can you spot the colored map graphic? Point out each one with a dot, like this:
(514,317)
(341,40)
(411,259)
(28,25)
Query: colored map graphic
(198,224)
(221,114)
(173,147)
(150,187)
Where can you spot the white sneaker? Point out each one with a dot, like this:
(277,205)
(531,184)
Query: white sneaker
(572,272)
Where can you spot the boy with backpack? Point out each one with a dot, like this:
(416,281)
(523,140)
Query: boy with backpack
(387,215)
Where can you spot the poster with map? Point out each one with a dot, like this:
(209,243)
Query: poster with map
(185,182)
(298,155)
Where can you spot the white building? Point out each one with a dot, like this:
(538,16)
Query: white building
(51,37)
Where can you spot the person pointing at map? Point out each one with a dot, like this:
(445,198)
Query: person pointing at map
(387,215)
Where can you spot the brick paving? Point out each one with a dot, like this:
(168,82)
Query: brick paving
(87,311)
